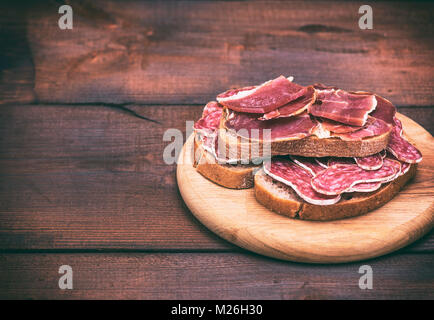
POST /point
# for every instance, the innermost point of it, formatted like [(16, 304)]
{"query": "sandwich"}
[(310, 152)]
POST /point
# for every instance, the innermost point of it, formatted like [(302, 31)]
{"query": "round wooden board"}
[(236, 216)]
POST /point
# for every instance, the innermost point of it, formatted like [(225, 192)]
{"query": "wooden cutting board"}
[(236, 216)]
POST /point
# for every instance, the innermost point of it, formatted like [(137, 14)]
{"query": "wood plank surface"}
[(82, 178), (210, 276), (93, 177), (187, 52), (16, 64)]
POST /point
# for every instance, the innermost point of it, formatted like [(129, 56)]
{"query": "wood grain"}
[(90, 178), (93, 177), (236, 216), (210, 276), (16, 65), (187, 52)]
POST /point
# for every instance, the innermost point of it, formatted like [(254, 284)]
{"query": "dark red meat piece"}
[(341, 178), (263, 98), (294, 107), (342, 106), (299, 179)]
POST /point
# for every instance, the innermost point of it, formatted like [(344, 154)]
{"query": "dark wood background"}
[(82, 178)]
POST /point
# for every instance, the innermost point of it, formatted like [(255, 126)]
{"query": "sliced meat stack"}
[(292, 116), (333, 112)]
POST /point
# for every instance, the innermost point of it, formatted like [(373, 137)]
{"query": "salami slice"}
[(373, 162), (397, 165), (210, 119), (294, 107), (404, 165), (308, 163), (359, 187), (210, 107), (207, 129), (404, 168), (365, 187), (337, 127), (366, 164), (299, 179), (341, 178), (263, 98), (397, 122), (401, 148)]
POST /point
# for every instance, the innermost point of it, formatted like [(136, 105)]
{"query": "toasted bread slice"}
[(312, 146), (281, 199), (234, 176)]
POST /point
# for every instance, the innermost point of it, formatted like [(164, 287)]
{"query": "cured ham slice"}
[(373, 162), (337, 127), (296, 127), (384, 110), (294, 107), (341, 178), (308, 163), (299, 179), (400, 147), (263, 98), (342, 106), (373, 127)]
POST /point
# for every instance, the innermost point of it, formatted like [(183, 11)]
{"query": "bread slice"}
[(312, 146), (308, 147), (281, 199), (234, 176)]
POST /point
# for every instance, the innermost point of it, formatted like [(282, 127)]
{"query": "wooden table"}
[(82, 117)]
